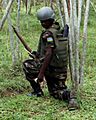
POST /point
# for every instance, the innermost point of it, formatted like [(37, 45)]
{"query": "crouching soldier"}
[(53, 47)]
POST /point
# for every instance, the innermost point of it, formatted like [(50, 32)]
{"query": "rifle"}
[(22, 40), (25, 45)]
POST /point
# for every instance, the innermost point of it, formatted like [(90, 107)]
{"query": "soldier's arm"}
[(46, 62), (48, 54)]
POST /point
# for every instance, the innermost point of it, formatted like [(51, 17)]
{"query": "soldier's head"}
[(46, 16)]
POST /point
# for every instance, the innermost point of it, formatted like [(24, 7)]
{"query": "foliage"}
[(16, 105)]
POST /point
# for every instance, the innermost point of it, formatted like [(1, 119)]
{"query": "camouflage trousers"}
[(57, 88), (55, 82), (31, 70)]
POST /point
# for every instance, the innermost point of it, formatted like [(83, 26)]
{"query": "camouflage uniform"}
[(31, 69), (56, 72), (53, 47)]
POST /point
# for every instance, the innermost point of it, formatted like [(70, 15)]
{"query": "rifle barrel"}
[(22, 40)]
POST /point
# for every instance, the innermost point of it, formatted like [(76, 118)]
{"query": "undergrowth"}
[(14, 102)]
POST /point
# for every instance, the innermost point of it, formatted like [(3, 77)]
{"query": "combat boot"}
[(73, 103), (37, 89), (66, 94), (62, 94), (38, 94)]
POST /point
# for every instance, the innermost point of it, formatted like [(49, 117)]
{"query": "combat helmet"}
[(45, 13)]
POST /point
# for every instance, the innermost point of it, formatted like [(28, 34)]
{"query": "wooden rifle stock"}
[(22, 40)]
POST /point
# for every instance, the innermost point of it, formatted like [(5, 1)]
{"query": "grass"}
[(22, 107), (14, 102)]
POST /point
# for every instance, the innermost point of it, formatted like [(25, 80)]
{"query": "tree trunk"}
[(60, 13), (76, 52), (66, 12), (30, 6), (84, 41), (71, 44), (11, 35), (11, 40), (18, 57), (6, 13)]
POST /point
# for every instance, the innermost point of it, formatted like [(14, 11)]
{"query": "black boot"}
[(37, 89), (66, 94)]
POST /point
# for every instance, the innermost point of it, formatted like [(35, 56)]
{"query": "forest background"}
[(14, 103)]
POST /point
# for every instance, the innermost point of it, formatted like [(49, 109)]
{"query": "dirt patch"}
[(8, 93), (12, 92)]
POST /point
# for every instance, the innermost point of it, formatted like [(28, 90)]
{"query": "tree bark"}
[(60, 13), (94, 6), (66, 12), (71, 39), (11, 40), (11, 35), (6, 13), (18, 57), (76, 51), (79, 17), (84, 41)]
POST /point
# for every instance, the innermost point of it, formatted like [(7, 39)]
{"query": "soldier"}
[(53, 47)]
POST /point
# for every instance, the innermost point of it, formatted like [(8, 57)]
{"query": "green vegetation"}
[(16, 105)]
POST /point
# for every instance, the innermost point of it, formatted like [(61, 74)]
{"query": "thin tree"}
[(74, 21), (94, 6), (69, 21), (51, 4), (84, 40), (6, 13), (11, 40), (11, 34), (60, 13), (30, 6), (18, 57), (76, 51)]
